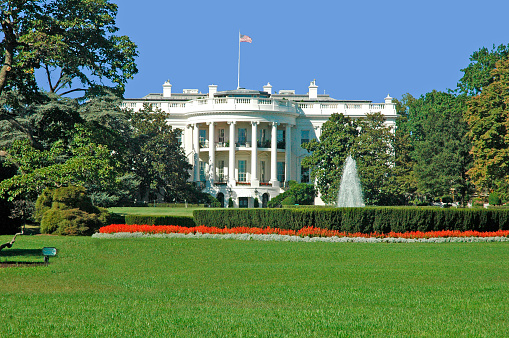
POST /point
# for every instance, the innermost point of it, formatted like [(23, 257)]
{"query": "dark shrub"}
[(494, 199), (71, 212)]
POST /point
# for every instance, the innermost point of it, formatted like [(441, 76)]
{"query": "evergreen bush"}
[(71, 212), (494, 199)]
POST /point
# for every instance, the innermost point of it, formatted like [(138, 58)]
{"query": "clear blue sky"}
[(358, 50)]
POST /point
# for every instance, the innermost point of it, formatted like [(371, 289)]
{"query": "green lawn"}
[(203, 288), (154, 211)]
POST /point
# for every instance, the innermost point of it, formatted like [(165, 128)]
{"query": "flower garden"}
[(306, 232)]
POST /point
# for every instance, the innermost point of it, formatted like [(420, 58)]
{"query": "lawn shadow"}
[(20, 252), (20, 257)]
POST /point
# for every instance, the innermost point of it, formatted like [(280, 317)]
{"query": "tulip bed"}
[(307, 231)]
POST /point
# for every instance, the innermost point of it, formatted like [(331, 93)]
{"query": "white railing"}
[(269, 104)]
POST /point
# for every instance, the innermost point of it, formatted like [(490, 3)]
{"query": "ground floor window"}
[(243, 202), (265, 200)]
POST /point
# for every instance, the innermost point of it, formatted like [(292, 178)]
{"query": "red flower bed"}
[(308, 231)]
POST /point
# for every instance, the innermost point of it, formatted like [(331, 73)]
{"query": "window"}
[(280, 139), (220, 170), (242, 136), (203, 137), (178, 132), (304, 136), (304, 175), (281, 171), (202, 171), (243, 202), (263, 142), (242, 170), (221, 136)]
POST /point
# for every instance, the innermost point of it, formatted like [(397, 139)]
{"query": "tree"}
[(328, 155), (478, 74), (403, 148), (73, 44), (83, 162), (157, 158), (488, 118), (374, 153), (441, 146)]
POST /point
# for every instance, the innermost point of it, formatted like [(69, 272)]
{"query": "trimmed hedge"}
[(183, 221), (364, 220)]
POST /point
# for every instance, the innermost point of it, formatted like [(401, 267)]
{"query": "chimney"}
[(313, 90), (267, 88), (212, 90), (167, 89)]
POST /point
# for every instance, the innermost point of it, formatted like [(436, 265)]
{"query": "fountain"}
[(350, 192)]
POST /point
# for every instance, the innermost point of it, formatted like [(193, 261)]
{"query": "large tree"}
[(477, 75), (71, 44), (441, 147), (329, 153), (488, 119), (157, 158), (403, 148), (373, 151)]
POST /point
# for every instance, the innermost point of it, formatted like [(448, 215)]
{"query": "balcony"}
[(263, 144)]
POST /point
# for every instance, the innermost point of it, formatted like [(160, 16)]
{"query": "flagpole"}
[(238, 70)]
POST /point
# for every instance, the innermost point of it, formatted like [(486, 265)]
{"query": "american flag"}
[(245, 38)]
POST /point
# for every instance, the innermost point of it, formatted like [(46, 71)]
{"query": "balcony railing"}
[(263, 144)]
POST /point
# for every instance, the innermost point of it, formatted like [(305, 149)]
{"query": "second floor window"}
[(304, 136), (242, 136)]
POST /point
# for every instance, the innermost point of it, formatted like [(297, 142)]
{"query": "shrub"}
[(73, 197), (494, 199), (71, 212), (290, 200), (71, 222), (364, 220), (304, 194), (43, 203), (230, 203), (256, 203), (183, 221)]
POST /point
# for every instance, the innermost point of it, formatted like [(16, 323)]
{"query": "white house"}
[(246, 144)]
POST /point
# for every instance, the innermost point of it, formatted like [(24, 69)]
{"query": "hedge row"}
[(184, 221), (364, 220)]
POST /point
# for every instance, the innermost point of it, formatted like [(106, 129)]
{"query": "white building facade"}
[(246, 144)]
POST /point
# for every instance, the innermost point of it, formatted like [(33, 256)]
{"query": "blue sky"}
[(356, 50)]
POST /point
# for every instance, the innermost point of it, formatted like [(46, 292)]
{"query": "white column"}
[(255, 182), (273, 156), (288, 150), (212, 153), (196, 146), (231, 164)]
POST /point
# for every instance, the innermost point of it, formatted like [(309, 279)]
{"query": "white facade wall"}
[(244, 112)]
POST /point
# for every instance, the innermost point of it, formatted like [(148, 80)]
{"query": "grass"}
[(196, 288), (154, 211)]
